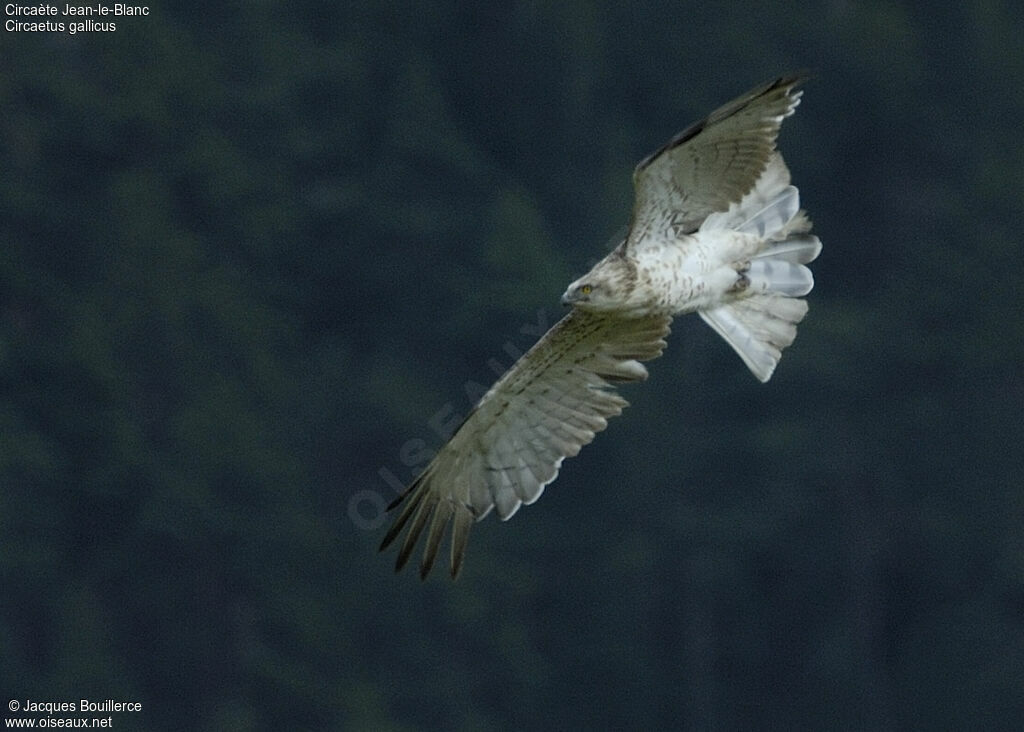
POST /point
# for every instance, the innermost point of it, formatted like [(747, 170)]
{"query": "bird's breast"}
[(687, 273)]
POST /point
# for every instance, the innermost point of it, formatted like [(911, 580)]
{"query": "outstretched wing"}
[(711, 164), (543, 410)]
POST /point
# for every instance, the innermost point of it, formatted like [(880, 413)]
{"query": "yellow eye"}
[(585, 289)]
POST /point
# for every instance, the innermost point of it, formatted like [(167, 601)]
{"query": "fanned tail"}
[(758, 327), (762, 321)]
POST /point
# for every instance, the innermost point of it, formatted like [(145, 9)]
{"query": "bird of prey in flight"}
[(717, 229)]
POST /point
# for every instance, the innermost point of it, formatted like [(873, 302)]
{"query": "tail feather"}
[(773, 216), (779, 276), (798, 249), (758, 327)]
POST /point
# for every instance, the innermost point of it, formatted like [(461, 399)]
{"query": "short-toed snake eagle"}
[(717, 229)]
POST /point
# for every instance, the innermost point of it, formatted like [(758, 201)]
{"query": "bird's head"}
[(582, 292), (597, 291)]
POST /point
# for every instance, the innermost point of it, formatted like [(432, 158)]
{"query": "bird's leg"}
[(742, 281)]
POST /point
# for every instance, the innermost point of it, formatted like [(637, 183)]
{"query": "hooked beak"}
[(567, 299)]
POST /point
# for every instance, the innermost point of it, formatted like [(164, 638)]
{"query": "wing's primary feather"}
[(543, 410), (711, 164)]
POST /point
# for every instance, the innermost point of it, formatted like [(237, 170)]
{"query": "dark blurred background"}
[(250, 252)]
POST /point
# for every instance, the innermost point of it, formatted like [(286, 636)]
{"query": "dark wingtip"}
[(396, 528), (401, 561), (403, 518), (398, 500), (388, 538), (403, 555)]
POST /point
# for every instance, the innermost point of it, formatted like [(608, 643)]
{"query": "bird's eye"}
[(585, 289)]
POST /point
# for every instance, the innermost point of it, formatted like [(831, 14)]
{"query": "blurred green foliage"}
[(248, 252)]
